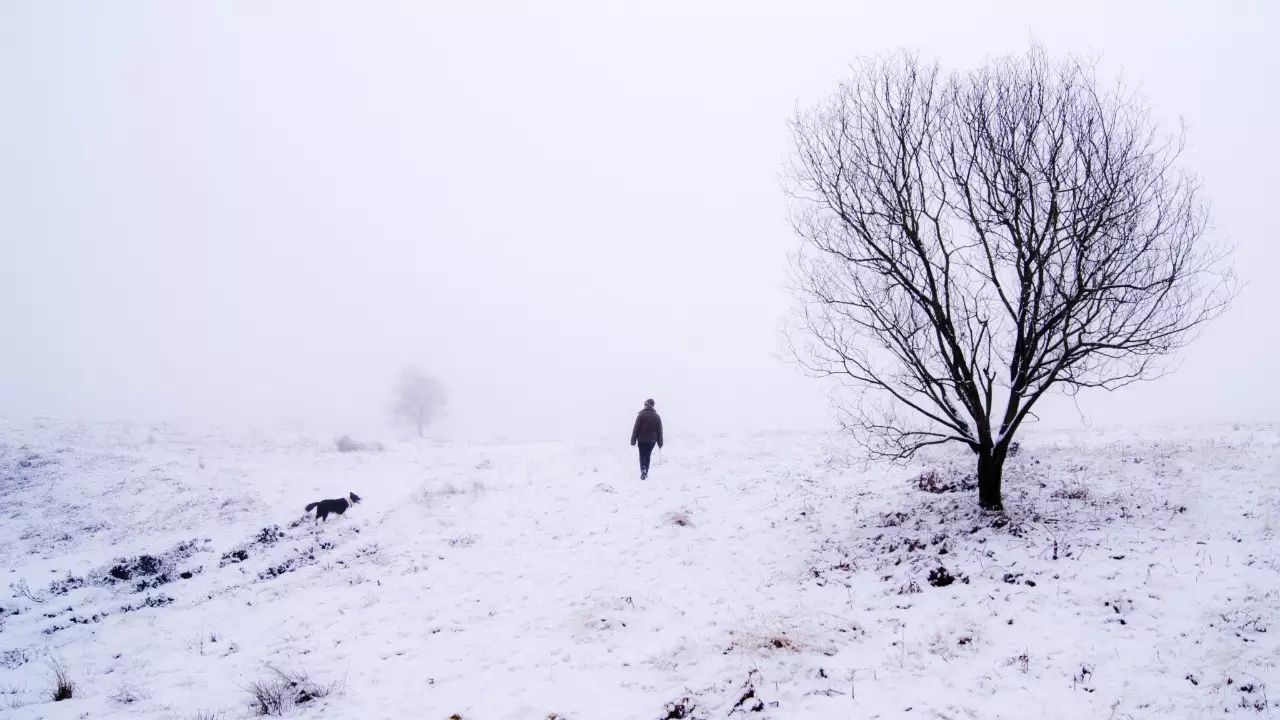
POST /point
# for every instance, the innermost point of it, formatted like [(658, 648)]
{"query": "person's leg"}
[(646, 450)]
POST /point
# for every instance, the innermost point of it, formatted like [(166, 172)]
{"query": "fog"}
[(257, 214)]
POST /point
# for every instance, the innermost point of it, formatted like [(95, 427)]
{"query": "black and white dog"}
[(336, 506)]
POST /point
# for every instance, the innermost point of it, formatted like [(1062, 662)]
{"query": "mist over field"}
[(233, 215)]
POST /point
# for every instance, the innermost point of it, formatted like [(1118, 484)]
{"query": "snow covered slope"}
[(1135, 576)]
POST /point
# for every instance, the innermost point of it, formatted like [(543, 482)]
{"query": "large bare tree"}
[(973, 240), (419, 398)]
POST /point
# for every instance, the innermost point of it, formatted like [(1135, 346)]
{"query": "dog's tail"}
[(311, 507)]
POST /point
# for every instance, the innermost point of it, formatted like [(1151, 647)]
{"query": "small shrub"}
[(749, 701), (680, 518), (127, 694), (1071, 492), (34, 461), (201, 641), (941, 577), (304, 558), (12, 696), (267, 697), (68, 584), (937, 482), (682, 709), (346, 444), (761, 640), (152, 601), (1023, 662), (269, 535), (22, 590), (283, 690), (893, 519), (233, 556), (63, 686), (910, 588), (144, 571), (13, 659)]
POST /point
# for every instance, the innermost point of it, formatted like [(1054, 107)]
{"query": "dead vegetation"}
[(128, 694), (346, 444), (282, 690), (64, 688), (938, 481), (1071, 491), (679, 518)]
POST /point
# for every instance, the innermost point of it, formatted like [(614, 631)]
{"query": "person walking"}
[(646, 433)]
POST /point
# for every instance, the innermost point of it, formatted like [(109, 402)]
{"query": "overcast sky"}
[(257, 213)]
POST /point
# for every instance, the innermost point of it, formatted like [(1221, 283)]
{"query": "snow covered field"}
[(1135, 576)]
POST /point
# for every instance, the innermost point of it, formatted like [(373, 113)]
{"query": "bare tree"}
[(418, 398), (971, 241)]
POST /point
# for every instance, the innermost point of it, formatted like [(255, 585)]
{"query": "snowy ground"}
[(1135, 576)]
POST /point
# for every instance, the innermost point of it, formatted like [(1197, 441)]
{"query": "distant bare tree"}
[(974, 240), (418, 398)]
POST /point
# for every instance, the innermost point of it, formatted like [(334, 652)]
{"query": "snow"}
[(1135, 576)]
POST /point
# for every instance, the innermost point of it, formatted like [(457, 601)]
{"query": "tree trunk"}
[(419, 426), (990, 471)]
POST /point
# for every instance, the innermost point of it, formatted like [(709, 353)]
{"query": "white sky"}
[(257, 213)]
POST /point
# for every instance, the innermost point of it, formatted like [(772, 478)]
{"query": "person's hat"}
[(648, 403)]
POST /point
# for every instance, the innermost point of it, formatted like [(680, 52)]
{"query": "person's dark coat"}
[(648, 428)]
